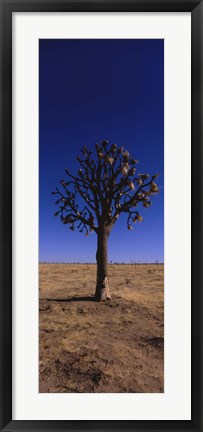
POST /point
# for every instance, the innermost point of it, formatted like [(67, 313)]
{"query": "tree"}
[(105, 186)]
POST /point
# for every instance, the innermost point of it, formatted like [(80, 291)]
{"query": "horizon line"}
[(110, 263)]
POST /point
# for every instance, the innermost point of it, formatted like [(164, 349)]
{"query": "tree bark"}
[(102, 287)]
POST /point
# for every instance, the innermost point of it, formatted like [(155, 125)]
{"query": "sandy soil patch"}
[(115, 346)]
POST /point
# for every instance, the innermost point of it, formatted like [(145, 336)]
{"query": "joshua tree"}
[(105, 186)]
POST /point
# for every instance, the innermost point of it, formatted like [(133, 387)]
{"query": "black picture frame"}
[(6, 9)]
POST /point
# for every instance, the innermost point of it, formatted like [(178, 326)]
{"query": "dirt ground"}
[(114, 346)]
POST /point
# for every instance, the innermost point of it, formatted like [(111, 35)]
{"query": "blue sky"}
[(90, 90)]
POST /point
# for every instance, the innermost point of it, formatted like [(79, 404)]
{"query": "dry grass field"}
[(114, 346)]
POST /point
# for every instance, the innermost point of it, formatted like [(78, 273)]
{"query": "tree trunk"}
[(102, 288)]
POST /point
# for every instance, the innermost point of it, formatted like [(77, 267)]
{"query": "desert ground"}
[(113, 346)]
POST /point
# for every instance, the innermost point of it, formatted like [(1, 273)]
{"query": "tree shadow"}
[(72, 299)]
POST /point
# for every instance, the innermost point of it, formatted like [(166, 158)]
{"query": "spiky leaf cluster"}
[(108, 184)]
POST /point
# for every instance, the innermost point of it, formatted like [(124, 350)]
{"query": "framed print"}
[(101, 215)]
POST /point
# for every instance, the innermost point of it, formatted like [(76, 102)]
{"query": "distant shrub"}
[(127, 281)]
